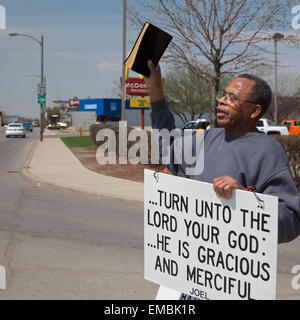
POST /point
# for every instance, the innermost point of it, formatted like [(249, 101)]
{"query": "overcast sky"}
[(83, 50)]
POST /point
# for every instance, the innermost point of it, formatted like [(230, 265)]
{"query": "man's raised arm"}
[(161, 116)]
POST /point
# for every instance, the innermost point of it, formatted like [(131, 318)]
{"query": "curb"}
[(31, 154), (105, 197)]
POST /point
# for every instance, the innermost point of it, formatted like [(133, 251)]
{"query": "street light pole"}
[(124, 57), (276, 37), (42, 105), (42, 117)]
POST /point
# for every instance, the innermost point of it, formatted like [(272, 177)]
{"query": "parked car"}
[(62, 125), (195, 126), (15, 129), (58, 125), (293, 126), (27, 126), (266, 126)]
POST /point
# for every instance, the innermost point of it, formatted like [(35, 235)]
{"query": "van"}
[(293, 126)]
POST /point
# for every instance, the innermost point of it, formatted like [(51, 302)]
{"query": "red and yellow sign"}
[(139, 103), (136, 87)]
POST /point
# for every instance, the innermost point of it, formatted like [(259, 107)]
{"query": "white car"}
[(15, 129), (62, 125), (58, 125), (266, 126)]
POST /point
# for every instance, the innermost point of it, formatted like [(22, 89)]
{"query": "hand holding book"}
[(154, 82), (150, 45)]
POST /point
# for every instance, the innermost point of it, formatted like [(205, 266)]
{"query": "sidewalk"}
[(52, 163)]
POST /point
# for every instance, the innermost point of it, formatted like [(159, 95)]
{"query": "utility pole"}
[(42, 83), (276, 37), (42, 118), (124, 57)]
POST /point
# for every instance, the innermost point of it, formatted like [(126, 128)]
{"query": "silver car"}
[(195, 126), (15, 129)]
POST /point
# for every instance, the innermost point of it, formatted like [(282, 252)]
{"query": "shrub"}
[(291, 146)]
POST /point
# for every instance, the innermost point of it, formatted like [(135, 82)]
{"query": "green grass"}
[(75, 142)]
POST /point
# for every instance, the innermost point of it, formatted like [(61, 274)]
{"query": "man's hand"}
[(224, 185), (154, 82)]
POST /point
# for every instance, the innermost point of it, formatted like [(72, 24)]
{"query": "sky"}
[(82, 51)]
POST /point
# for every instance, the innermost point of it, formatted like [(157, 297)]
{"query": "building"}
[(92, 110), (8, 119), (64, 108)]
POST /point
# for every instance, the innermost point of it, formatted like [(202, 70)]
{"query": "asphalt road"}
[(62, 245)]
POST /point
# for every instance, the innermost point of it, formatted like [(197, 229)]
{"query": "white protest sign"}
[(200, 244), (165, 293)]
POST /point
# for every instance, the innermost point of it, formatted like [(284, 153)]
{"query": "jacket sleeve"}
[(182, 155), (161, 116), (282, 186)]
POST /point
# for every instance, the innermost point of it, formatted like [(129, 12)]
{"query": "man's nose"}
[(222, 101)]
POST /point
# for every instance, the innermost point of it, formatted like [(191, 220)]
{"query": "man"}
[(238, 156)]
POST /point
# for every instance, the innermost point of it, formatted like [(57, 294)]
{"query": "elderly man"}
[(238, 156)]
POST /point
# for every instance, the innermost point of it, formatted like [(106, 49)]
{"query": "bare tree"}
[(288, 83), (116, 90), (214, 37), (288, 87), (288, 108)]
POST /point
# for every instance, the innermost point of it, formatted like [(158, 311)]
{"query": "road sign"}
[(41, 89), (41, 99)]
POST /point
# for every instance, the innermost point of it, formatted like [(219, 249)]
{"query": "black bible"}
[(151, 44)]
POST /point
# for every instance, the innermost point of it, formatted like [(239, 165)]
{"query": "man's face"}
[(236, 114)]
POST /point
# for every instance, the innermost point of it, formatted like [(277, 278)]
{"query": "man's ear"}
[(256, 111)]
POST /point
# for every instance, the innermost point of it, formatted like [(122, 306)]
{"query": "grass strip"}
[(75, 142)]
